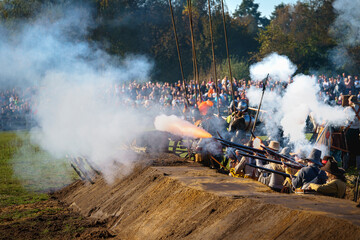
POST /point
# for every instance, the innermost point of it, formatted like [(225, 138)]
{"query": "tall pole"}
[(213, 56), (227, 51), (179, 54), (196, 73), (258, 111)]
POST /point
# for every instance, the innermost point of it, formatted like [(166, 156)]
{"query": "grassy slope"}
[(11, 190), (17, 154)]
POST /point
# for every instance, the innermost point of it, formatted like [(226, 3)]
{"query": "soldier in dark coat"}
[(311, 173)]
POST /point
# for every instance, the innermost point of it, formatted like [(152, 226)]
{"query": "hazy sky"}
[(266, 7)]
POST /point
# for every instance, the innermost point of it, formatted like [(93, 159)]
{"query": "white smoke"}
[(271, 102), (290, 108), (75, 113), (279, 68), (345, 30), (347, 22)]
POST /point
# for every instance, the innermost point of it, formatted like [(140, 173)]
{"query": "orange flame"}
[(177, 126)]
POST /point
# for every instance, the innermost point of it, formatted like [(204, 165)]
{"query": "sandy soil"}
[(170, 200)]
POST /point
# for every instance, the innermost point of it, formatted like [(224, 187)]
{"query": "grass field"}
[(26, 172)]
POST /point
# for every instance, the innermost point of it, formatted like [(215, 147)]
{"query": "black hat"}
[(315, 157), (332, 167)]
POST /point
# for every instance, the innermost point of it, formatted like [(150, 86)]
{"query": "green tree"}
[(301, 33), (250, 10)]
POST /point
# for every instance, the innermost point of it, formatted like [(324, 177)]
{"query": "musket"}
[(240, 146), (271, 160), (268, 150), (272, 152), (269, 170)]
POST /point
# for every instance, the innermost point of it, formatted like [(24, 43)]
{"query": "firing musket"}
[(240, 146), (271, 160), (272, 152), (269, 170)]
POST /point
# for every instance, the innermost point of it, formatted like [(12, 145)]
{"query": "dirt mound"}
[(194, 202)]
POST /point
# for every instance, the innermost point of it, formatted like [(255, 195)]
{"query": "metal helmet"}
[(242, 106)]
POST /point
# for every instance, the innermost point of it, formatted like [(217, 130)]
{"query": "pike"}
[(271, 160), (270, 170), (262, 95), (179, 55)]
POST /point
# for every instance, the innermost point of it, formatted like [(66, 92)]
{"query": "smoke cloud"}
[(347, 22), (345, 30), (271, 102), (279, 68), (75, 110), (289, 109)]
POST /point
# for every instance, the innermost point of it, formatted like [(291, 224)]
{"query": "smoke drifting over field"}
[(345, 30), (76, 109), (288, 109)]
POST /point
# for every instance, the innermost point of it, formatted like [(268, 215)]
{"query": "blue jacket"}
[(308, 174)]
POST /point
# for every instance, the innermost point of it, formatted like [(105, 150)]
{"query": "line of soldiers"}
[(320, 175), (308, 174), (302, 174)]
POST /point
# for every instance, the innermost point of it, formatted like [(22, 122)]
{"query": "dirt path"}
[(193, 202)]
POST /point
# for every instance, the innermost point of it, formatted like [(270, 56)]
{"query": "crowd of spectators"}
[(15, 108), (170, 97)]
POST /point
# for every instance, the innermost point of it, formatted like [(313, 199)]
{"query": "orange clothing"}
[(211, 92), (204, 107)]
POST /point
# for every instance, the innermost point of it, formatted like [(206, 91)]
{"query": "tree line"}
[(303, 32)]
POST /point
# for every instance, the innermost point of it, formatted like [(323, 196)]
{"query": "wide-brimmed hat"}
[(315, 157), (332, 167), (274, 145), (285, 151)]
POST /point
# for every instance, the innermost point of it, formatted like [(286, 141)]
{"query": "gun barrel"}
[(281, 156), (270, 160), (269, 170), (240, 146)]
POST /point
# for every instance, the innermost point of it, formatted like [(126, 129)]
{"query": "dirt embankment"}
[(194, 202)]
